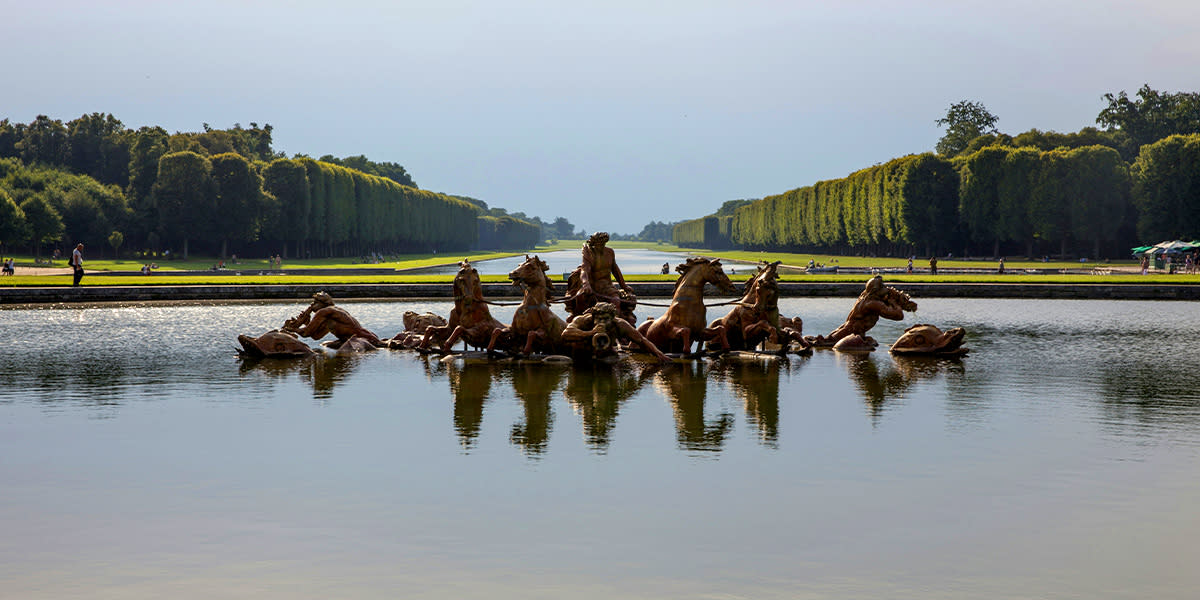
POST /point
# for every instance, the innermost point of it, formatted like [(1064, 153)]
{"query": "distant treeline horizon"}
[(1094, 192)]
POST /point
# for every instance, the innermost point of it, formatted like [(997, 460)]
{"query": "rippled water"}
[(141, 459)]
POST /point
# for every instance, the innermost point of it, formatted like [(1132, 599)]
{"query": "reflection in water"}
[(470, 384), (597, 392), (534, 385), (323, 372), (879, 386), (1120, 371), (1143, 390), (756, 383), (1068, 441), (687, 385)]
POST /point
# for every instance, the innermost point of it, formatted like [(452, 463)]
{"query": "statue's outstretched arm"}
[(633, 334), (575, 333)]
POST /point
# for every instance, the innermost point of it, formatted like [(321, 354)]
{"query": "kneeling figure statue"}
[(875, 301), (322, 318)]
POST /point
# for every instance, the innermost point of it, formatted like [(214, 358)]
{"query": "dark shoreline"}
[(43, 296)]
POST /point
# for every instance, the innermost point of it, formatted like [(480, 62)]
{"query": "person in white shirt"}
[(77, 263)]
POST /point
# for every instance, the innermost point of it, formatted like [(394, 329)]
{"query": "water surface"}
[(142, 459), (562, 262)]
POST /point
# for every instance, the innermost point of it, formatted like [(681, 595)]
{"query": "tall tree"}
[(979, 198), (239, 199), (1098, 189), (287, 181), (1166, 187), (44, 142), (1047, 209), (12, 221), (10, 134), (99, 146), (964, 121), (1151, 117), (115, 239), (562, 228), (148, 146), (83, 218), (185, 197), (44, 223), (1019, 173)]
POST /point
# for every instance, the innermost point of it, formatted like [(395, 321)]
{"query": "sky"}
[(612, 113)]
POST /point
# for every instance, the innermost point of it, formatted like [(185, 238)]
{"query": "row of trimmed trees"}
[(313, 207), (1083, 199), (706, 232), (507, 232), (223, 190), (302, 205)]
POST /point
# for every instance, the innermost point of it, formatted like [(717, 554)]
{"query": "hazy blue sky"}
[(610, 113)]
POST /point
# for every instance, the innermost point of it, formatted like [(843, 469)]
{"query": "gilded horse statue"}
[(534, 324), (684, 321), (470, 318)]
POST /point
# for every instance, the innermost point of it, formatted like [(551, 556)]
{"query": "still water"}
[(631, 261), (139, 458)]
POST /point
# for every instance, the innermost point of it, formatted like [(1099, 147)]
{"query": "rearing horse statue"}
[(470, 318), (533, 323), (684, 321)]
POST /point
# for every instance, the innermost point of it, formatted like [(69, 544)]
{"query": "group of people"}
[(76, 264), (1190, 263)]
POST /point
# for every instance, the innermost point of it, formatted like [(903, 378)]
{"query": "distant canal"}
[(141, 459), (564, 261)]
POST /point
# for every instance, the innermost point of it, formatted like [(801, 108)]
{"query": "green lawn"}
[(405, 261), (162, 275), (231, 279), (801, 260)]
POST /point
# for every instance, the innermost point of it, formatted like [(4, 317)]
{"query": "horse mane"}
[(686, 266), (460, 282), (545, 276)]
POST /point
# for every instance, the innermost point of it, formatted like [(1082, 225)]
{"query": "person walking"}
[(77, 263), (910, 265)]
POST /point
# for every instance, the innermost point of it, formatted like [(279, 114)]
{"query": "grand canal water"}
[(632, 261), (139, 458)]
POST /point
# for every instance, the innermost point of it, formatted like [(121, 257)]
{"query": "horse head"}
[(766, 278), (466, 282), (532, 273), (707, 271)]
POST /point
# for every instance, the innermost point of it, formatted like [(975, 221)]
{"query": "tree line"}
[(224, 190), (1094, 191)]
